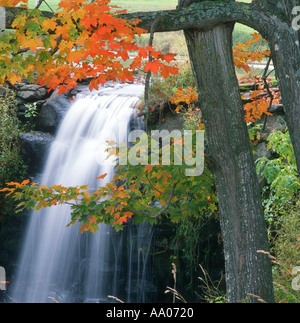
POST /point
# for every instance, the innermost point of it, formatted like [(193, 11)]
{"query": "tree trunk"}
[(241, 214), (285, 47), (286, 58)]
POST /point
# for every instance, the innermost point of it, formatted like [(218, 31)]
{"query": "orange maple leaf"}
[(153, 66), (149, 168), (53, 202), (101, 176), (93, 219)]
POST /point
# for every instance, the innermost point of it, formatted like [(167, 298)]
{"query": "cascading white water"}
[(58, 262)]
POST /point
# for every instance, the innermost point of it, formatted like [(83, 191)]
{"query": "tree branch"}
[(264, 77), (206, 15), (8, 15), (148, 75), (164, 209), (202, 15)]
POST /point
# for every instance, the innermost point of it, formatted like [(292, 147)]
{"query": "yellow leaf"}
[(49, 24), (14, 78)]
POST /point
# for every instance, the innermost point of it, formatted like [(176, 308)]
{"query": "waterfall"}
[(59, 263)]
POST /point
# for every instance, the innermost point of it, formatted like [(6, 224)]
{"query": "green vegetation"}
[(280, 199), (11, 164), (130, 5), (287, 254), (281, 174), (11, 168), (282, 211)]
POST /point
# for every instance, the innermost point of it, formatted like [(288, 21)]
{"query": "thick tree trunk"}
[(285, 47), (241, 215), (286, 58)]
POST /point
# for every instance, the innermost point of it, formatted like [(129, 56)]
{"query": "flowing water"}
[(58, 263)]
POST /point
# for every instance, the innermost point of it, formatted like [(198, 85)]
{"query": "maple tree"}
[(242, 57), (83, 40), (147, 193)]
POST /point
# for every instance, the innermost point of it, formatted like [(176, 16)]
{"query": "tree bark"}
[(286, 58), (284, 42), (241, 213)]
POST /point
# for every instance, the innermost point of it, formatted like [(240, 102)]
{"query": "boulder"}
[(34, 150), (173, 121), (52, 112), (55, 108), (262, 151), (276, 109), (273, 123)]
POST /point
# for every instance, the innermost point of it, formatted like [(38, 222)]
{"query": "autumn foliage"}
[(242, 56), (83, 40), (145, 191)]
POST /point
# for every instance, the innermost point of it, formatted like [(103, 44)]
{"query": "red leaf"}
[(169, 57), (167, 70), (153, 66)]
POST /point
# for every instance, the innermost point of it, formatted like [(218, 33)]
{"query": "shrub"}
[(11, 163), (281, 175), (12, 168)]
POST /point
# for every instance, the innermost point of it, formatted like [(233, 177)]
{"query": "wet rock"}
[(52, 112), (35, 147), (55, 108)]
